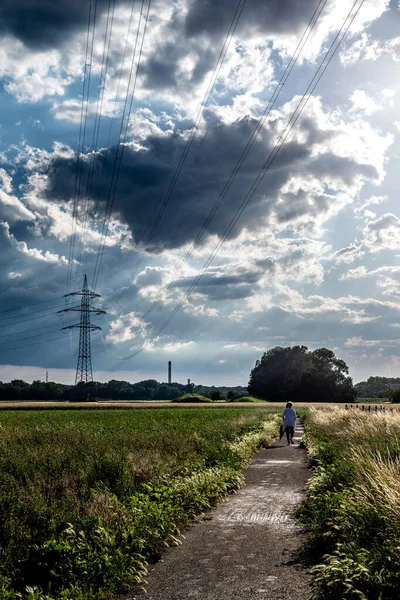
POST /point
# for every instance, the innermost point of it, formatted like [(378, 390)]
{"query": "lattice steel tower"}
[(84, 373)]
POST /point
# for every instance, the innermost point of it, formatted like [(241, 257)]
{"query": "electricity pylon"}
[(84, 373)]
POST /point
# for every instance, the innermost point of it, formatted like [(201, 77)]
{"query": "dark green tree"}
[(296, 374), (279, 372), (376, 387), (395, 395)]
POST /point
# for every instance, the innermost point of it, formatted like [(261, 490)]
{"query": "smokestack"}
[(169, 371), (188, 381)]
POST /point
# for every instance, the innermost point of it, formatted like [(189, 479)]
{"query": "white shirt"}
[(289, 417)]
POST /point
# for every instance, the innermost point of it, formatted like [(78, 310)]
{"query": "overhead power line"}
[(100, 185), (81, 136), (266, 166), (14, 333), (119, 151), (193, 132), (34, 312), (29, 305), (96, 129), (27, 337), (271, 103), (32, 344)]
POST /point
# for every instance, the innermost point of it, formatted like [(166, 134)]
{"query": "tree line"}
[(293, 373), (377, 387), (149, 389)]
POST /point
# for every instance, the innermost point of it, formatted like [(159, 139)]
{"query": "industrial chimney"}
[(169, 371)]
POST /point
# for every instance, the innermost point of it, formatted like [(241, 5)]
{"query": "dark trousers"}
[(289, 432)]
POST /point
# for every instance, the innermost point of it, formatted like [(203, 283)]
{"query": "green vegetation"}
[(112, 390), (88, 498), (396, 396), (371, 400), (296, 374), (192, 398), (377, 387), (247, 399), (353, 504)]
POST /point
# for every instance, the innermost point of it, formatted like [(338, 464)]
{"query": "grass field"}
[(353, 505), (89, 497)]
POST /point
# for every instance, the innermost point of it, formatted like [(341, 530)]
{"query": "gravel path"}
[(247, 549)]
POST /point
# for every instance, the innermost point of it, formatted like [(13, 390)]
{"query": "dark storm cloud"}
[(275, 16), (202, 30), (22, 277), (224, 283), (219, 278), (45, 23), (145, 176), (330, 165), (161, 70)]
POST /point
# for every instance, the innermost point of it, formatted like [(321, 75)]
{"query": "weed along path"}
[(247, 548)]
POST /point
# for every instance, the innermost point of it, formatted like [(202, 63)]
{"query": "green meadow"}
[(89, 498)]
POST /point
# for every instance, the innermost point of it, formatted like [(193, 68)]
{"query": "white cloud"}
[(31, 75), (174, 346), (11, 207), (34, 87), (389, 286), (357, 273), (348, 254), (362, 271), (364, 103), (372, 201), (247, 346), (127, 327), (366, 48), (34, 253), (71, 109), (382, 234), (359, 341)]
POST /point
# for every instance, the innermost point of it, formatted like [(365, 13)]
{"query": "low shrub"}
[(247, 399), (192, 398)]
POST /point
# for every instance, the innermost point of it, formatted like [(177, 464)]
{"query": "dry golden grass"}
[(372, 442), (353, 503)]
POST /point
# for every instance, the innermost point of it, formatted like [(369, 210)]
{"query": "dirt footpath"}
[(248, 548)]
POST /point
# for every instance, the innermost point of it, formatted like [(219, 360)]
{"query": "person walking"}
[(289, 422)]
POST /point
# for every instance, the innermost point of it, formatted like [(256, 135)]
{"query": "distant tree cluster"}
[(221, 392), (377, 387), (297, 374), (149, 389)]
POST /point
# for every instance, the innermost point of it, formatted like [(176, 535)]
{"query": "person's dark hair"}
[(289, 405)]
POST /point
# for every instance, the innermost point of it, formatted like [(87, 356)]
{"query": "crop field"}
[(353, 505), (139, 404), (88, 498)]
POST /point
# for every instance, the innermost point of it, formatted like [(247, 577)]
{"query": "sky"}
[(225, 172)]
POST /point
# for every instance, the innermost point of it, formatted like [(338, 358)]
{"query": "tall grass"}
[(89, 498), (353, 504)]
